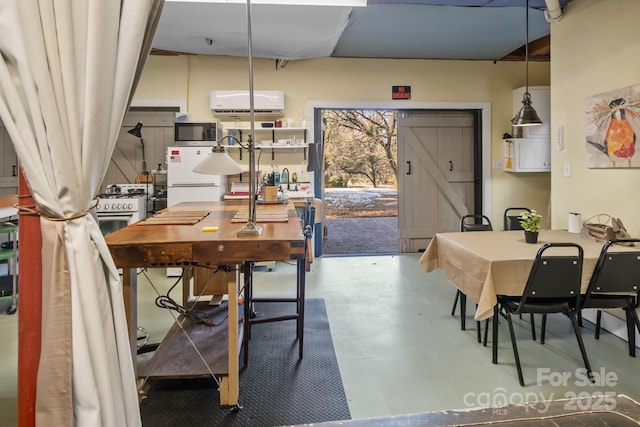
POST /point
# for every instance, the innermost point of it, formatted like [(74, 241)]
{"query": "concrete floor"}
[(399, 349)]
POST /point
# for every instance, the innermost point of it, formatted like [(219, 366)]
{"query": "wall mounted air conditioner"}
[(236, 102)]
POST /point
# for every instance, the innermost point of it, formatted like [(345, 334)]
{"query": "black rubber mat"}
[(276, 388)]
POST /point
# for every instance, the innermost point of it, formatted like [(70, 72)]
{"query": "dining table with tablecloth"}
[(485, 264)]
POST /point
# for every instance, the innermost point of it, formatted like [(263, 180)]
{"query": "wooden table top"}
[(162, 245)]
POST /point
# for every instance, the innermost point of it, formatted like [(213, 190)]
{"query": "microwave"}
[(197, 133)]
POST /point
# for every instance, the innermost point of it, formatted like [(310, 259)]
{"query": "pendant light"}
[(218, 162), (527, 115)]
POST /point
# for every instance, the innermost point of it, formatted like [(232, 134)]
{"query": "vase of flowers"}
[(530, 222)]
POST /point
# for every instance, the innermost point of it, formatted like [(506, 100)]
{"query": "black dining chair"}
[(511, 218), (615, 284), (470, 222), (553, 286)]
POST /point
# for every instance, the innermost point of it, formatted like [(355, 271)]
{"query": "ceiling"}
[(425, 29)]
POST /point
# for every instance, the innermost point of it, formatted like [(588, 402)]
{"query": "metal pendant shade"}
[(218, 162), (527, 116)]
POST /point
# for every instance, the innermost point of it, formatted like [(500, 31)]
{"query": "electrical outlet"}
[(497, 164), (566, 170)]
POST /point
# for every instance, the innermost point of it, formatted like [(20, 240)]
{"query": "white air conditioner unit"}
[(236, 102)]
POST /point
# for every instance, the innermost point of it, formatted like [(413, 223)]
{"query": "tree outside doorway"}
[(360, 181)]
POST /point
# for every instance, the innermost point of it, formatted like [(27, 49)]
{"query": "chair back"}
[(555, 276), (616, 272), (475, 222), (511, 218)]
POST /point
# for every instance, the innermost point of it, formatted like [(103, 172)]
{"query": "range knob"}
[(119, 206), (129, 206), (105, 206)]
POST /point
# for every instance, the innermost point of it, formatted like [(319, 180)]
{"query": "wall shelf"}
[(275, 133)]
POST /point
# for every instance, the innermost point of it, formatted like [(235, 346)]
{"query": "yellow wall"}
[(595, 49), (337, 79)]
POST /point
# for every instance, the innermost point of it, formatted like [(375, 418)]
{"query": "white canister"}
[(575, 222)]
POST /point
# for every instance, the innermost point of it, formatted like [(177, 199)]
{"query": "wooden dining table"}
[(204, 234)]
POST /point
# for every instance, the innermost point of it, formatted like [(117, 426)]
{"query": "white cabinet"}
[(526, 155), (531, 152)]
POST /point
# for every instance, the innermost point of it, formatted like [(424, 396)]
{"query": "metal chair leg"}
[(463, 311), (455, 303), (533, 326), (494, 342), (583, 352), (631, 332), (515, 348), (486, 332), (598, 321), (543, 328), (634, 315)]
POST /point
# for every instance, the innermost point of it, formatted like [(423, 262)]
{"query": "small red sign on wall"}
[(401, 92)]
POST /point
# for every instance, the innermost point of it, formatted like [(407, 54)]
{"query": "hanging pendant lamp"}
[(527, 115)]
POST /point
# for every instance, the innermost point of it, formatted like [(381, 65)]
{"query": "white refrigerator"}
[(185, 185)]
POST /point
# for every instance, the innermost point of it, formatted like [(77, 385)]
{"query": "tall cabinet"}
[(531, 151)]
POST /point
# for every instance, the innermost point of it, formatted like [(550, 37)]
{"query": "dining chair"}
[(615, 285), (470, 222), (511, 220), (553, 286)]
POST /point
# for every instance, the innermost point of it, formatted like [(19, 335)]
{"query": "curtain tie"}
[(31, 210)]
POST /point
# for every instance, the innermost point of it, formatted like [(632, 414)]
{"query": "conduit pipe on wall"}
[(553, 12)]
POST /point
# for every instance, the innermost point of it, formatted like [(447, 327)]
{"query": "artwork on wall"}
[(612, 126)]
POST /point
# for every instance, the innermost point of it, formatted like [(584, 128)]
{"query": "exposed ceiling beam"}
[(539, 51)]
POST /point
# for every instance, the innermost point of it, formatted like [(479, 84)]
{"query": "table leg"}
[(230, 385), (130, 296)]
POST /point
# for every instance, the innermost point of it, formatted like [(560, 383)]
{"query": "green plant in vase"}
[(530, 222)]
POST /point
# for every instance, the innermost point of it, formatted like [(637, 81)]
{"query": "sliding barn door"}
[(436, 174)]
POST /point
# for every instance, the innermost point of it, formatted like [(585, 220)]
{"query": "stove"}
[(122, 205)]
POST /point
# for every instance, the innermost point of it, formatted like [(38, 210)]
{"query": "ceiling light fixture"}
[(527, 115)]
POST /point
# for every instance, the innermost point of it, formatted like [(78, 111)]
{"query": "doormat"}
[(276, 388)]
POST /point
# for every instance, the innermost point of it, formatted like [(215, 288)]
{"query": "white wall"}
[(595, 49)]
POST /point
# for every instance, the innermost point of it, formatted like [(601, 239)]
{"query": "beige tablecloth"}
[(489, 263)]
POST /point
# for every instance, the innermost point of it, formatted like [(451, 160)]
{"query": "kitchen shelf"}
[(238, 133)]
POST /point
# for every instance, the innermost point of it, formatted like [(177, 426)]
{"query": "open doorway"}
[(360, 182)]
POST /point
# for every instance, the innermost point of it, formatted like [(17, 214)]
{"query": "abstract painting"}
[(612, 126)]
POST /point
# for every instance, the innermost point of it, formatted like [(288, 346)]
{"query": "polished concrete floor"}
[(399, 349)]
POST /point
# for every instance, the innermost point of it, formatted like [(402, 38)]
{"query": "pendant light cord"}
[(526, 50)]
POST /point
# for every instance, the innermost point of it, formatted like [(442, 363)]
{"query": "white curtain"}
[(67, 72)]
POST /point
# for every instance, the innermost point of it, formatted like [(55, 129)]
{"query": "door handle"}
[(450, 166), (408, 167)]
